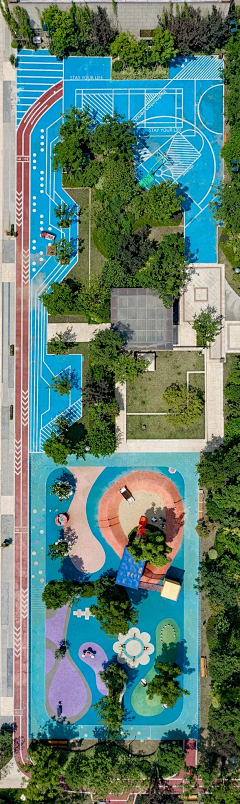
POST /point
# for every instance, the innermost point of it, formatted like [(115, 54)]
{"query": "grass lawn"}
[(144, 395), (87, 263)]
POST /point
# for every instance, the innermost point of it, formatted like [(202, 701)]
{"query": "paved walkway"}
[(78, 333), (7, 336)]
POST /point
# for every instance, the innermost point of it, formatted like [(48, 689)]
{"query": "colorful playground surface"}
[(179, 124), (165, 628)]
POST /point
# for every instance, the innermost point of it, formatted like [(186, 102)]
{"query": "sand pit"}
[(145, 504)]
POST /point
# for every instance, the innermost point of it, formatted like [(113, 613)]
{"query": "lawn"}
[(90, 261), (144, 395)]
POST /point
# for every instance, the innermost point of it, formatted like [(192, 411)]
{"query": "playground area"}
[(99, 518)]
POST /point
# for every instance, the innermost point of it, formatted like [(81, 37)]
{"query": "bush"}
[(14, 44), (117, 66)]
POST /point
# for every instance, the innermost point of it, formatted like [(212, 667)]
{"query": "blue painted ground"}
[(182, 116), (181, 721)]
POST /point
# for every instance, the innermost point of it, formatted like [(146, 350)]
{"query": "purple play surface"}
[(54, 625), (68, 687), (49, 660), (96, 664)]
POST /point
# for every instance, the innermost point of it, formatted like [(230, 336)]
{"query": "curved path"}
[(157, 484), (86, 553), (21, 419)]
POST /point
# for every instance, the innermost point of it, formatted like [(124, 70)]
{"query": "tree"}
[(219, 472), (231, 149), (162, 202), (64, 214), (225, 792), (58, 446), (207, 326), (101, 436), (57, 593), (114, 135), (133, 251), (58, 549), (114, 677), (57, 345), (232, 102), (60, 26), (166, 270), (128, 367), (131, 52), (61, 488), (109, 708), (163, 49), (194, 32), (61, 384), (119, 180), (225, 206), (151, 547), (114, 275), (113, 610), (94, 302), (59, 301), (185, 405), (46, 770), (106, 769), (170, 758), (19, 25), (96, 390), (165, 684), (6, 744), (72, 151), (107, 350), (62, 650), (64, 250), (102, 34)]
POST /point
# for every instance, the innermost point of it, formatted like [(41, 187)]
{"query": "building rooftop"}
[(142, 316)]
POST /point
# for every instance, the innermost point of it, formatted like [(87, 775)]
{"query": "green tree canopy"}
[(219, 472), (163, 49), (166, 270), (44, 783), (64, 214), (231, 149), (101, 435), (165, 684), (207, 325), (162, 201), (152, 547), (60, 300), (58, 593), (131, 52), (58, 549), (185, 405), (114, 135), (113, 610), (170, 758), (225, 206), (61, 384), (71, 152), (106, 770)]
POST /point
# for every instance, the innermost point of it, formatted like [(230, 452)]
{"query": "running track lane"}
[(21, 418)]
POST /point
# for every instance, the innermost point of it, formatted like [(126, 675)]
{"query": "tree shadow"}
[(187, 200), (191, 733), (52, 729), (71, 572), (70, 535), (124, 330), (189, 254), (75, 379), (166, 520), (69, 336)]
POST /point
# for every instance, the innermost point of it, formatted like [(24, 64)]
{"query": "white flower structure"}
[(133, 648)]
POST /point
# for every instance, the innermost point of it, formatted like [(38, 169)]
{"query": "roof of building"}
[(140, 314)]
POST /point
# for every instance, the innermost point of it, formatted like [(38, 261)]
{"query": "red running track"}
[(21, 418)]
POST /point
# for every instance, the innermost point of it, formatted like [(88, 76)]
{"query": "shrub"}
[(185, 405), (117, 66)]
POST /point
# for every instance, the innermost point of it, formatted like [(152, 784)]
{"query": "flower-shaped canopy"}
[(133, 648)]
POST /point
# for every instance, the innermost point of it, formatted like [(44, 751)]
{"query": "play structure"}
[(147, 180), (141, 527)]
